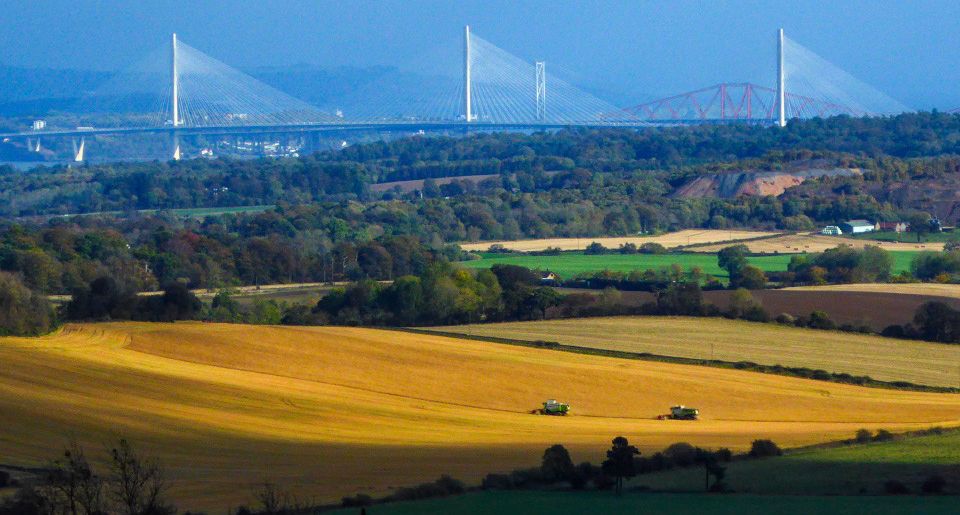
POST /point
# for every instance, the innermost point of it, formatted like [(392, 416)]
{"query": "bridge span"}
[(198, 95)]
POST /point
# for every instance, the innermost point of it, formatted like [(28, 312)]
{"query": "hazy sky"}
[(633, 49)]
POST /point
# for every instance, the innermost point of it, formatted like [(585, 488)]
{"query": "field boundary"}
[(687, 248), (798, 372)]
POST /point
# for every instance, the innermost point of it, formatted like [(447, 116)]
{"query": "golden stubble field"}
[(814, 242), (332, 411), (669, 240), (885, 359)]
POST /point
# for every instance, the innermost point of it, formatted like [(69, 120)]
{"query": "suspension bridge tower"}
[(781, 93), (541, 90), (468, 111), (175, 98)]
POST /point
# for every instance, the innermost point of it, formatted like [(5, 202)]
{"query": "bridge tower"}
[(541, 90), (781, 93), (78, 150), (175, 100), (466, 74)]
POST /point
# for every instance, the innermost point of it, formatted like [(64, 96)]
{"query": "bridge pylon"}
[(541, 90), (781, 83), (175, 145), (467, 84), (174, 82), (79, 150)]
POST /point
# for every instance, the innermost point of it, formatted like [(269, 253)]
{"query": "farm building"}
[(892, 226), (856, 226), (548, 277), (831, 230)]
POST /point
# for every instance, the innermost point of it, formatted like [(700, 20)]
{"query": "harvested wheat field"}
[(885, 359), (669, 240), (814, 242), (925, 289), (334, 411)]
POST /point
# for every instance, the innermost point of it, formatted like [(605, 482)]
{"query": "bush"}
[(595, 248), (933, 485), (442, 487), (723, 454), (786, 318), (652, 248), (526, 477), (176, 303), (894, 331), (756, 314), (863, 436), (894, 487), (23, 312), (936, 321), (883, 436), (556, 464), (820, 320), (4, 479), (681, 454), (750, 277), (764, 448)]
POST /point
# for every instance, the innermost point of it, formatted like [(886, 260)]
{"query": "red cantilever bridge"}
[(730, 102)]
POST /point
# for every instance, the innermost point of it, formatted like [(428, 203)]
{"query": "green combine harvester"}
[(684, 413), (553, 407)]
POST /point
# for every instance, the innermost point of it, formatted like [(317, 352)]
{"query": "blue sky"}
[(636, 50)]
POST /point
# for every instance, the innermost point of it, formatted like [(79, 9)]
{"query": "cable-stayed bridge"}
[(180, 91)]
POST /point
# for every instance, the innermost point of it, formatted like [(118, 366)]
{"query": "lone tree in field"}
[(620, 461), (733, 259)]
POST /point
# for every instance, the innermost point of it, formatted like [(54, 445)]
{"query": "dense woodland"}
[(328, 225), (599, 169)]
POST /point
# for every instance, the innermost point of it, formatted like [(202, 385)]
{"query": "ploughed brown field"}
[(874, 308), (331, 411)]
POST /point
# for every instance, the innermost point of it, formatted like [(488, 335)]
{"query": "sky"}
[(632, 50)]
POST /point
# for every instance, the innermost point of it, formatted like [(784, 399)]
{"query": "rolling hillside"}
[(330, 411)]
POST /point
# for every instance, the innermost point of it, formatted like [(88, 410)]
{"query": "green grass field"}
[(569, 264), (847, 480), (563, 503), (849, 470)]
